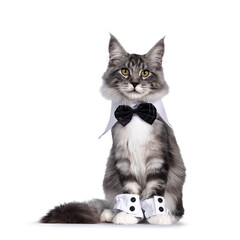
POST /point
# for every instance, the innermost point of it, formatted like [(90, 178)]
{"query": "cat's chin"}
[(135, 96), (147, 96), (122, 97)]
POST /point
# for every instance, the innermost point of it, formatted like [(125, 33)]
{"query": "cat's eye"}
[(145, 73), (125, 71)]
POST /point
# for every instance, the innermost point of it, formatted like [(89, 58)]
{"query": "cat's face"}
[(132, 77)]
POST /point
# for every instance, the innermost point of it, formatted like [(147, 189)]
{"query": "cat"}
[(145, 159)]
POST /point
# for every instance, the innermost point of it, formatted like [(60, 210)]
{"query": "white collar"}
[(158, 104)]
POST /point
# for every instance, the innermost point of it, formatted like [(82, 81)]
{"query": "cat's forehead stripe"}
[(135, 61)]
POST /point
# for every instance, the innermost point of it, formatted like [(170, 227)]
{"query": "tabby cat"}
[(145, 159)]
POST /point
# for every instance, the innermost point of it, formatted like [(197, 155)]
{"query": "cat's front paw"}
[(160, 219), (125, 218)]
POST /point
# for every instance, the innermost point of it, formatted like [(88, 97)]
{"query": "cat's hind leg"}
[(125, 218), (107, 216)]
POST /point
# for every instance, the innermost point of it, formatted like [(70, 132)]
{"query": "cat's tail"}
[(76, 212)]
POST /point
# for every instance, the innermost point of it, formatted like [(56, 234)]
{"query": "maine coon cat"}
[(145, 161)]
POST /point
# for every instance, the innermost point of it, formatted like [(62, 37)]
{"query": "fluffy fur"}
[(145, 159), (72, 213)]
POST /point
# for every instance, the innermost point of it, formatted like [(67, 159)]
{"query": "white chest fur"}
[(135, 139)]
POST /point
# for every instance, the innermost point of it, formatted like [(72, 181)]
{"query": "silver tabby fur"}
[(145, 159)]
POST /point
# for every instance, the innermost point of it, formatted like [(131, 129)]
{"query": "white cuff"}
[(129, 203), (155, 206)]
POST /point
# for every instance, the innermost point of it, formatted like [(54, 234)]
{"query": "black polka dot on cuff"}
[(133, 199), (132, 208), (161, 209)]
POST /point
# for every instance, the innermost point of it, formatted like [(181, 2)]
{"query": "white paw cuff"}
[(155, 206), (129, 203)]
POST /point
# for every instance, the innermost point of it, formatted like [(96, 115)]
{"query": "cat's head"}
[(132, 77)]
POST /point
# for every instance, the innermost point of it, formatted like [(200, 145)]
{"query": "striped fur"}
[(145, 159), (158, 169)]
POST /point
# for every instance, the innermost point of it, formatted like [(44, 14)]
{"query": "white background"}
[(52, 57)]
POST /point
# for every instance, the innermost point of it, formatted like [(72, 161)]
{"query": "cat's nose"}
[(134, 84)]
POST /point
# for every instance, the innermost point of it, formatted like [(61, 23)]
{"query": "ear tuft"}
[(155, 54), (116, 51)]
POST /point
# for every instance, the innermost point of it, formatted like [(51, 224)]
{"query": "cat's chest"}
[(135, 141), (136, 134)]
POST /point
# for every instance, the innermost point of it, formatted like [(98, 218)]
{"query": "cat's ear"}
[(116, 51), (155, 54)]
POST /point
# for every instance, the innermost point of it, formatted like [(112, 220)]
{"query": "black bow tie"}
[(146, 111)]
